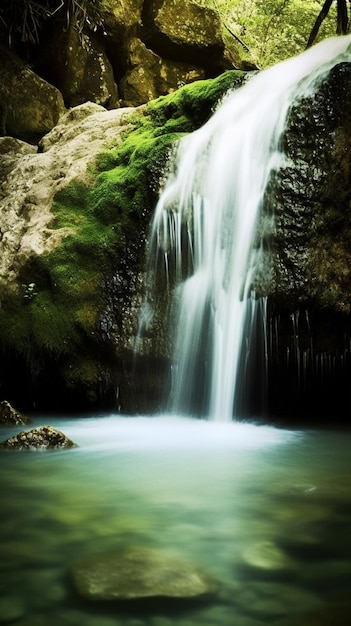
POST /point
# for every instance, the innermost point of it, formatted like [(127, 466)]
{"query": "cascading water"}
[(204, 230)]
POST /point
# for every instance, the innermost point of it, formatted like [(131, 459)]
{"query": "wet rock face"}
[(311, 199), (42, 438), (138, 573), (309, 298)]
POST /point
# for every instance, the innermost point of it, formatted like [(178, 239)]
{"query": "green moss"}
[(82, 372), (55, 315), (196, 102), (48, 329)]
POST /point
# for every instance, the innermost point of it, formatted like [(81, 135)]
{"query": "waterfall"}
[(204, 233)]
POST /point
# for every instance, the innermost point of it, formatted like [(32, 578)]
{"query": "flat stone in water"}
[(138, 573)]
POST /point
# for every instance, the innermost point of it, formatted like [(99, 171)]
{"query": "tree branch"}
[(342, 18), (322, 15), (243, 45)]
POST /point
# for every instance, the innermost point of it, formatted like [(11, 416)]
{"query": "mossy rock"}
[(55, 320)]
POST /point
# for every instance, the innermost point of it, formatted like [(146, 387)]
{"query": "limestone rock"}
[(9, 147), (29, 180), (42, 438), (138, 572), (185, 32), (150, 76), (29, 106), (9, 416)]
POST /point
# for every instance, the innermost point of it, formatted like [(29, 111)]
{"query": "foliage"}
[(271, 30), (22, 20)]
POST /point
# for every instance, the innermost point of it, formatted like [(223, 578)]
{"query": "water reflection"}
[(264, 511)]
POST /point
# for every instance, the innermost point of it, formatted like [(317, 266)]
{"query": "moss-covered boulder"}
[(75, 219), (138, 573)]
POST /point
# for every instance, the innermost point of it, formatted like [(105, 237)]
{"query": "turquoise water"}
[(264, 511)]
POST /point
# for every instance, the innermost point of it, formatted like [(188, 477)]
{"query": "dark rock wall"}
[(310, 296)]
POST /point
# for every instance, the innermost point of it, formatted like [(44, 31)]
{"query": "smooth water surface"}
[(265, 511)]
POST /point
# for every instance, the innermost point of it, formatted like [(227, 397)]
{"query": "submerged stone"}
[(42, 438), (265, 555), (138, 573)]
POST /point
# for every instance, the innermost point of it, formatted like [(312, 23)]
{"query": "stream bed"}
[(264, 511)]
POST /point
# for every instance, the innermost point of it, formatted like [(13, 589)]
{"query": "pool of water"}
[(264, 511)]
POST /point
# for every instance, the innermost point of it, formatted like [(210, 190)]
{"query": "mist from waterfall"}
[(205, 237)]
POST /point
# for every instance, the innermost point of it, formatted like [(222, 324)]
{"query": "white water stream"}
[(212, 199)]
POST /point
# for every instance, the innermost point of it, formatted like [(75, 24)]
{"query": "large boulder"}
[(185, 32), (41, 438), (149, 76), (121, 16), (29, 106), (76, 62), (139, 573)]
